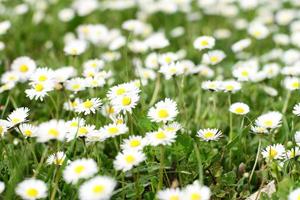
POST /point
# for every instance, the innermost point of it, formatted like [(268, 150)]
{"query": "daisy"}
[(127, 159), (170, 194), (196, 191), (134, 143), (31, 189), (167, 58), (56, 158), (108, 110), (274, 152), (269, 120), (172, 69), (10, 77), (209, 134), (239, 108), (292, 83), (151, 61), (75, 47), (241, 45), (4, 125), (79, 169), (259, 130), (28, 130), (72, 105), (2, 187), (18, 116), (172, 127), (258, 31), (163, 111), (64, 73), (294, 152), (161, 137), (296, 109), (39, 90), (122, 90), (97, 188), (213, 57), (204, 42), (295, 194), (94, 64), (75, 84), (42, 75), (113, 130), (53, 129), (126, 102), (230, 86), (89, 106), (24, 66), (204, 70), (297, 138), (211, 85)]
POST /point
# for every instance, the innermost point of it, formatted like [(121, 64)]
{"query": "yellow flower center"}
[(32, 192), (1, 130), (229, 87), (113, 130), (126, 101), (42, 78), (82, 130), (273, 153), (195, 196), (78, 169), (163, 113), (245, 73), (110, 110), (257, 33), (120, 91), (39, 87), (168, 59), (298, 197), (74, 51), (129, 159), (174, 197), (59, 161), (76, 87), (16, 120), (208, 135), (74, 124), (98, 188), (135, 143), (88, 104), (296, 84), (204, 43), (23, 68), (239, 110), (27, 133), (53, 132), (268, 123), (214, 59), (160, 135)]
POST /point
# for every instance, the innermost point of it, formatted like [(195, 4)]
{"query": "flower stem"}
[(161, 167), (200, 166), (256, 159), (286, 102)]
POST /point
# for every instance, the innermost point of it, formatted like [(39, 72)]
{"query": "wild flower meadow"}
[(150, 99)]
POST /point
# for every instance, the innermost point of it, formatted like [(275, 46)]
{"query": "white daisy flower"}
[(209, 134), (167, 58), (196, 191), (134, 142), (72, 105), (296, 109), (297, 138), (204, 42), (57, 158), (160, 137), (64, 73), (122, 90), (97, 188), (269, 120), (2, 186), (125, 102), (295, 194), (18, 116), (258, 31), (274, 152), (127, 159), (39, 90), (163, 111), (213, 57), (241, 45), (292, 153), (79, 169), (10, 77), (31, 189), (114, 129), (25, 66), (53, 129), (170, 194), (211, 85), (42, 75), (292, 83), (75, 84), (89, 106), (239, 108), (75, 47), (230, 86), (259, 130), (28, 130), (172, 69), (4, 126)]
